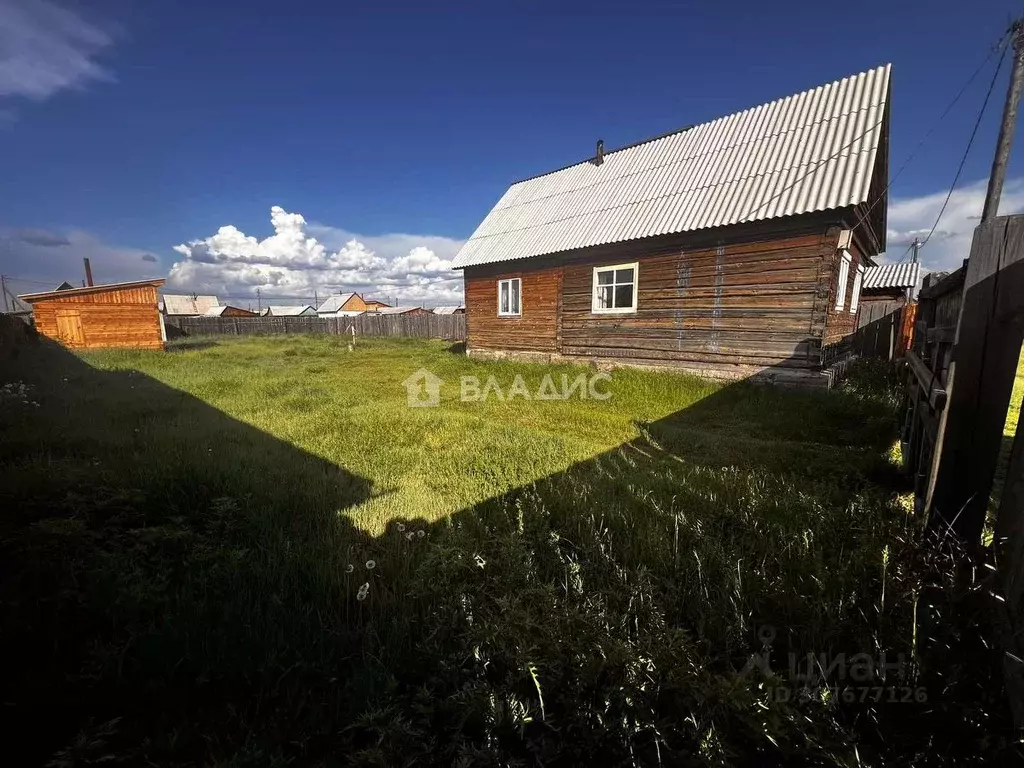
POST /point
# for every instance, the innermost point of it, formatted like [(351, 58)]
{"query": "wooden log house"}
[(115, 315), (731, 249)]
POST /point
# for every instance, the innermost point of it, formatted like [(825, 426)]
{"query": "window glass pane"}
[(515, 297), (624, 276), (604, 297), (605, 278), (503, 289), (624, 295)]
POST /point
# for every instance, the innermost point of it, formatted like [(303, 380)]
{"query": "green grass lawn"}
[(253, 552)]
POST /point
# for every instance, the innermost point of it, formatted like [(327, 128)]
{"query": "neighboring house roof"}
[(65, 286), (394, 310), (60, 292), (290, 311), (334, 303), (174, 304), (375, 303), (448, 310), (218, 311), (891, 276), (810, 152)]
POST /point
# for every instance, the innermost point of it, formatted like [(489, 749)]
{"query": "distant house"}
[(729, 249), (401, 311), (227, 310), (451, 310), (342, 305), (372, 305), (115, 315), (889, 282), (292, 311), (174, 305)]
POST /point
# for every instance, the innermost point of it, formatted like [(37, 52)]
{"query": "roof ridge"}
[(694, 126)]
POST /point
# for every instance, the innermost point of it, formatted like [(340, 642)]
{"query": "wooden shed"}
[(729, 249), (116, 315)]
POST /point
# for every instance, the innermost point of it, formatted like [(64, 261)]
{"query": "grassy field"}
[(252, 552)]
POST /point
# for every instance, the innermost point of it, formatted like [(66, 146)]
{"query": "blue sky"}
[(129, 128)]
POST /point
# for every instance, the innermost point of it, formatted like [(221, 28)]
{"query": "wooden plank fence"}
[(884, 329), (960, 373), (425, 326)]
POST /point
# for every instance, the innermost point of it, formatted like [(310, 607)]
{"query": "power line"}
[(963, 89), (970, 142), (871, 128)]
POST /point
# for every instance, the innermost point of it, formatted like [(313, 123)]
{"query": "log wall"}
[(748, 304), (535, 330)]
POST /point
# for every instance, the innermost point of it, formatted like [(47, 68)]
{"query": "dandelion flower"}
[(371, 564), (400, 527), (363, 592), (421, 533), (349, 568)]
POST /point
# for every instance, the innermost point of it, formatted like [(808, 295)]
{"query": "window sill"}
[(623, 311)]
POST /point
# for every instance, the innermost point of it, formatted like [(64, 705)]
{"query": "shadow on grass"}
[(154, 546), (177, 585)]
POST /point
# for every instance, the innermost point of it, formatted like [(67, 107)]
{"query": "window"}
[(509, 297), (857, 280), (844, 279), (615, 289)]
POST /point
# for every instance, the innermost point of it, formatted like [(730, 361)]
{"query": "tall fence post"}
[(980, 379)]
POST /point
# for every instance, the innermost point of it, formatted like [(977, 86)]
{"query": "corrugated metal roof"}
[(290, 311), (809, 152), (450, 310), (334, 303), (891, 276), (393, 310), (188, 305)]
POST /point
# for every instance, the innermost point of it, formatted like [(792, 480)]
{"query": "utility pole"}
[(917, 247), (259, 301), (3, 290), (1007, 127), (316, 300)]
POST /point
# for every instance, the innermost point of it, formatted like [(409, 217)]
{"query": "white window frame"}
[(844, 279), (595, 306), (519, 309), (858, 280)]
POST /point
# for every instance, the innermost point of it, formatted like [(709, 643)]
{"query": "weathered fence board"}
[(426, 326), (979, 375)]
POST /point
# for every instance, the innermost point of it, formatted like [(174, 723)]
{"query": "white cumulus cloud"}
[(45, 48), (300, 260), (911, 217)]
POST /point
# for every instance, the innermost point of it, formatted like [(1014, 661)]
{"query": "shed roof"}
[(335, 303), (394, 310), (219, 310), (64, 292), (891, 276), (288, 311), (451, 310), (810, 152), (191, 304)]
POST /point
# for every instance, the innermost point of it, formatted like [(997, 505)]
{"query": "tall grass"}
[(255, 553)]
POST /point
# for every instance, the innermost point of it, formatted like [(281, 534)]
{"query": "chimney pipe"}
[(599, 157), (88, 273)]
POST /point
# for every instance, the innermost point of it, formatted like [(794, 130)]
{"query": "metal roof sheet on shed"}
[(448, 310), (891, 276), (188, 305), (809, 152), (290, 311)]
